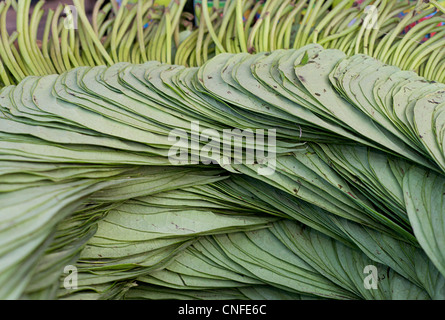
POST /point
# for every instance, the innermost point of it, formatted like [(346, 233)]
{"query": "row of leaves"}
[(87, 179)]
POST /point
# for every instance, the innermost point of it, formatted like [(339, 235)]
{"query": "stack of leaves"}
[(90, 177)]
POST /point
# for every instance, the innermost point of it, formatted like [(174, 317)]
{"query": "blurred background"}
[(52, 4), (49, 4)]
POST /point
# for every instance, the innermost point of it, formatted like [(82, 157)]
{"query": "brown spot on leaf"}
[(351, 195)]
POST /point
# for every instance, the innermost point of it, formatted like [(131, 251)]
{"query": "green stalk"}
[(234, 38), (365, 27), (192, 60), (94, 16), (54, 58), (123, 47), (46, 32), (239, 26), (13, 38), (439, 75), (252, 15), (55, 38), (129, 42), (102, 16), (28, 37), (273, 28), (136, 55), (125, 25), (188, 51), (178, 9), (154, 45), (227, 42), (14, 5), (176, 36), (85, 49), (259, 41), (168, 36), (344, 25), (278, 43), (73, 58), (340, 36), (185, 49), (329, 17), (420, 52), (89, 30), (265, 32), (4, 75), (141, 31), (115, 6), (116, 26), (22, 22), (151, 31), (229, 9), (20, 62), (92, 49), (64, 48), (311, 21), (437, 5), (368, 31), (77, 53), (346, 41), (413, 36), (383, 16), (205, 12), (389, 38), (108, 24), (433, 62), (299, 35), (34, 23), (148, 35), (5, 49), (333, 23), (159, 40), (206, 50), (286, 31), (199, 41), (381, 50)]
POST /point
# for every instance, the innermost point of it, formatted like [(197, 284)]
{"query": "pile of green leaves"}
[(86, 179)]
